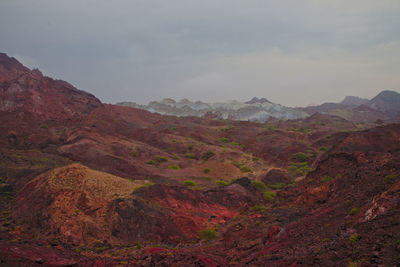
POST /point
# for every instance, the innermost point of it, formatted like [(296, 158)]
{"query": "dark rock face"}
[(133, 219), (276, 176)]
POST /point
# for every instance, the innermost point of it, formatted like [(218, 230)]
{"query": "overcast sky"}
[(293, 52)]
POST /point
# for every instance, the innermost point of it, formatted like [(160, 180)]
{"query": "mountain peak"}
[(354, 101), (256, 100), (10, 63)]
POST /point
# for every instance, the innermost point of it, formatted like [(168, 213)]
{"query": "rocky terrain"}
[(84, 183), (385, 107), (258, 110)]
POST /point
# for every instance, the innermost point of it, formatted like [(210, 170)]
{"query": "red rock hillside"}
[(88, 184)]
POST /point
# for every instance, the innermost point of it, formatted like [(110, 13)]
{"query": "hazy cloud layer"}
[(293, 52)]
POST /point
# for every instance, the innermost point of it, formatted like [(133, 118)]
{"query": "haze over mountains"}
[(385, 106)]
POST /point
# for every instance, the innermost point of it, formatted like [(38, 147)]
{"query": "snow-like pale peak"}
[(256, 109)]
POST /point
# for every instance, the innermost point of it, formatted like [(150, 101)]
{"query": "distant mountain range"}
[(256, 109), (384, 107)]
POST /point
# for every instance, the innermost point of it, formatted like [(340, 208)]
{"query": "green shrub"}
[(221, 183), (206, 170), (259, 185), (300, 157), (354, 211), (327, 179), (151, 162), (277, 186), (258, 208), (160, 159), (323, 148), (208, 234), (301, 130), (299, 169), (223, 140), (190, 156), (206, 156), (189, 183), (390, 177), (174, 167), (245, 169), (354, 237), (236, 144), (254, 159), (270, 127), (268, 195)]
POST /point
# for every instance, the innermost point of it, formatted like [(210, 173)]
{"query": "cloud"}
[(145, 50)]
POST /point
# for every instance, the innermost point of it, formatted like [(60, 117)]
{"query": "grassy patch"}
[(160, 159), (259, 185), (189, 183), (268, 195), (354, 211), (223, 140), (390, 177), (208, 234), (277, 186), (206, 170), (300, 156), (354, 237), (245, 169), (221, 183), (301, 130), (206, 156), (190, 156), (327, 179), (260, 208), (299, 169), (174, 167)]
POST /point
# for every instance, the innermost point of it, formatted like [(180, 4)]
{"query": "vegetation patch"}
[(174, 167), (260, 208), (189, 183), (390, 177), (190, 156), (208, 234), (327, 179), (223, 140), (206, 170), (269, 195), (221, 183), (300, 156), (354, 211), (206, 156), (299, 169), (301, 130), (259, 185), (277, 186), (245, 169), (151, 162), (354, 237), (160, 159)]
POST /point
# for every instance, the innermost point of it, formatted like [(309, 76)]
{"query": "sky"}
[(292, 52)]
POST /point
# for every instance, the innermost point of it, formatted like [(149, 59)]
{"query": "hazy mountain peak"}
[(354, 101), (256, 100)]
